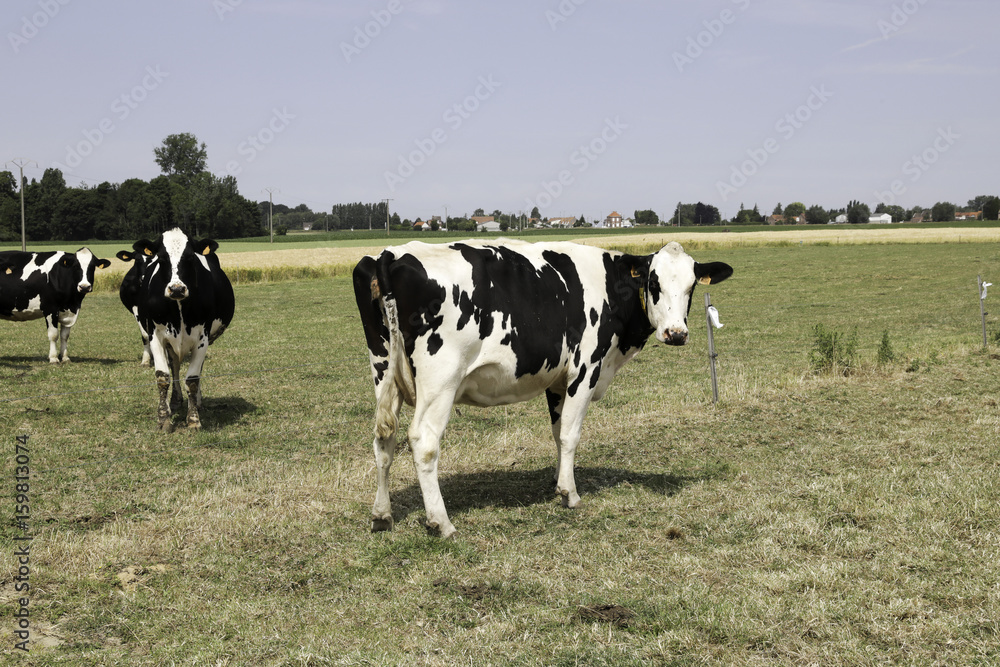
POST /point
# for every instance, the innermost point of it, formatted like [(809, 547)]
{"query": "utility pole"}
[(270, 209), (21, 163), (387, 215)]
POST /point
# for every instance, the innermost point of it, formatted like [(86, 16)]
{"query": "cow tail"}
[(398, 375)]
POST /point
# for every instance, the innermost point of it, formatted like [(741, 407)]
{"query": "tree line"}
[(185, 195)]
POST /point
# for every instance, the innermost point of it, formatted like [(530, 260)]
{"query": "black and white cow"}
[(48, 285), (184, 302), (492, 323), (129, 293)]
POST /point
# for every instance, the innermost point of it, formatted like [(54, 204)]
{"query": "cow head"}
[(84, 267), (670, 285), (181, 258)]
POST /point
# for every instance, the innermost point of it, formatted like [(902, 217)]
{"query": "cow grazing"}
[(129, 293), (48, 285), (183, 303), (492, 323)]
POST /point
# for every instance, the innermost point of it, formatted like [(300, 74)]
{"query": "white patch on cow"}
[(32, 312), (174, 242), (45, 267), (86, 259), (675, 271)]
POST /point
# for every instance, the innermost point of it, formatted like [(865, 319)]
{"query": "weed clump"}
[(833, 351), (885, 354)]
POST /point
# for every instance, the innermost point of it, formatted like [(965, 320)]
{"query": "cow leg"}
[(429, 422), (385, 451), (176, 396), (52, 328), (162, 365), (555, 401), (144, 362), (64, 343), (163, 411), (193, 382), (566, 431)]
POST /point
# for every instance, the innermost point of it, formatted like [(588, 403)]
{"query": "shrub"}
[(833, 351), (885, 354)]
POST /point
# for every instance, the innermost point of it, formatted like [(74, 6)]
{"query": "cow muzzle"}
[(672, 336), (85, 288), (177, 291)]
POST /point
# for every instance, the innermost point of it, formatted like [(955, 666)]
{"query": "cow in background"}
[(184, 302), (129, 294), (50, 285), (493, 323)]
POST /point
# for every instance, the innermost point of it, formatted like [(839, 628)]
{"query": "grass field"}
[(807, 518)]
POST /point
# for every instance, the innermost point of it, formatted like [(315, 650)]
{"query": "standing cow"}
[(500, 322), (129, 293), (48, 285), (184, 302)]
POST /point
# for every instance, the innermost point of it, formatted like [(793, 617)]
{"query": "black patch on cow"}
[(554, 400), (376, 333), (593, 316), (542, 307), (575, 385), (654, 287), (418, 298), (434, 343)]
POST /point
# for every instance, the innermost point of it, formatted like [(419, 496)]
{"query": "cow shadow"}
[(520, 488), (216, 413)]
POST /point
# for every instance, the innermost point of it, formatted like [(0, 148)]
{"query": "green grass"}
[(808, 518)]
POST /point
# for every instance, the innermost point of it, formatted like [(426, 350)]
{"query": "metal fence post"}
[(711, 349), (982, 308)]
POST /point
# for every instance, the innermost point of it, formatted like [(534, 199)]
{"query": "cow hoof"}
[(444, 532), (381, 525), (194, 426), (166, 427), (570, 501)]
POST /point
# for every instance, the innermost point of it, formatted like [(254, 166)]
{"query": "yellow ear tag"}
[(206, 251), (9, 271), (147, 252), (635, 274), (705, 280)]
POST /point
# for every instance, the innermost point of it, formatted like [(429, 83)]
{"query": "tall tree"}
[(858, 213), (991, 208), (181, 156), (943, 211)]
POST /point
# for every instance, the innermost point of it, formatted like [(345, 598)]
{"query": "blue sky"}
[(580, 107)]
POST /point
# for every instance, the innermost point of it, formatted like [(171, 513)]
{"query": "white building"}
[(884, 219)]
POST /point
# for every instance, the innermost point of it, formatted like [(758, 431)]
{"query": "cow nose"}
[(86, 288), (675, 336), (177, 291)]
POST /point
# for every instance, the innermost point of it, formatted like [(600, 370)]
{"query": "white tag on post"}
[(713, 316)]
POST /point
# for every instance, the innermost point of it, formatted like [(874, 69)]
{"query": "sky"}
[(578, 107)]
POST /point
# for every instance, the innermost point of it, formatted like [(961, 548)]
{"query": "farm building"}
[(883, 219)]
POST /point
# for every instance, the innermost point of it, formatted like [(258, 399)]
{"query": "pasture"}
[(807, 518)]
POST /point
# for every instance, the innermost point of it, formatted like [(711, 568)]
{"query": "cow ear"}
[(66, 261), (103, 263), (143, 246), (125, 255), (712, 272), (638, 267), (206, 246)]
